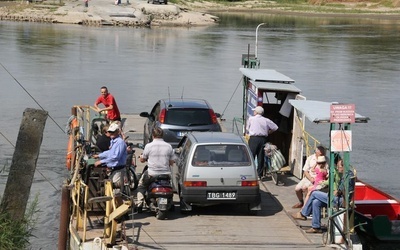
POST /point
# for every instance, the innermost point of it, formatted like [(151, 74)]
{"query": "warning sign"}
[(342, 113), (341, 140)]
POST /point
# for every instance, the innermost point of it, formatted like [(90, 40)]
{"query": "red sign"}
[(342, 113)]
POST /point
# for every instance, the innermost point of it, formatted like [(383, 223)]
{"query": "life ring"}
[(72, 126)]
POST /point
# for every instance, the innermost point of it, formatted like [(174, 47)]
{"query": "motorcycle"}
[(159, 196)]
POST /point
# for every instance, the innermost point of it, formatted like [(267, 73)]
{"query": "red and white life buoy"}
[(73, 125)]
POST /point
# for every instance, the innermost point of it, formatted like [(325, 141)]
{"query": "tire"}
[(161, 215), (127, 192), (181, 203), (253, 212), (133, 179)]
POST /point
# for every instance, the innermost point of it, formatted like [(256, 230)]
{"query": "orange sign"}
[(342, 113), (341, 140)]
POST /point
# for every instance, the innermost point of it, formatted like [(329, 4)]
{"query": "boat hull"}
[(377, 213)]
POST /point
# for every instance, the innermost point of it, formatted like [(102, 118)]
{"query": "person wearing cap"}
[(115, 160), (258, 128), (319, 199), (110, 105), (308, 176)]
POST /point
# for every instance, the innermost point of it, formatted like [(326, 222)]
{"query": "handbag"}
[(277, 160)]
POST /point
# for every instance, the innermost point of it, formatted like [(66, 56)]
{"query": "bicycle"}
[(131, 179), (268, 171), (274, 161)]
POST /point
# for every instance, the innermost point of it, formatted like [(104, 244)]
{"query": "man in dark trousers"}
[(159, 156), (258, 128), (115, 160)]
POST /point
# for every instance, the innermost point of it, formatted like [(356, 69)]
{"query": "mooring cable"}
[(231, 97), (42, 109), (36, 168), (26, 91)]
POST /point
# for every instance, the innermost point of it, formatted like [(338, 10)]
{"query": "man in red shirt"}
[(110, 105)]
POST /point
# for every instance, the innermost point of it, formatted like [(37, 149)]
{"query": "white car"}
[(214, 168)]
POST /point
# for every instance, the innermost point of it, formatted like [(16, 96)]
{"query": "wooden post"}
[(64, 218), (23, 165)]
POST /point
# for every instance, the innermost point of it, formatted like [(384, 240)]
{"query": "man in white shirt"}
[(258, 128), (159, 156)]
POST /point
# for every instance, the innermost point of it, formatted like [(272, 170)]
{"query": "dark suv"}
[(176, 117)]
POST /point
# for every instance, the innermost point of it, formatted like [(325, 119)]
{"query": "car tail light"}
[(162, 190), (195, 184), (161, 118), (213, 116), (249, 183)]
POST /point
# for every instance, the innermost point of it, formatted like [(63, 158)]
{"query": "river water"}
[(332, 59)]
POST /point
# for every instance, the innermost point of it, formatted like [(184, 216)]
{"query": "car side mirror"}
[(218, 115)]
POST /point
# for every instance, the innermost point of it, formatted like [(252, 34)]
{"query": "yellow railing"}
[(310, 142)]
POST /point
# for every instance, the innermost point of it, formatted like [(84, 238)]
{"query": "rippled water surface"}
[(58, 66)]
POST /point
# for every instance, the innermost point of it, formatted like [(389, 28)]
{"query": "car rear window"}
[(221, 155), (188, 117)]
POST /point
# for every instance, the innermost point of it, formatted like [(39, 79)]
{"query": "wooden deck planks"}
[(221, 227)]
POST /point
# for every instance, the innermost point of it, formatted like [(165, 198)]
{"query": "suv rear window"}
[(221, 155), (188, 117)]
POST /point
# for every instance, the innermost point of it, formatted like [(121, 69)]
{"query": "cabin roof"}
[(265, 75), (276, 87), (270, 79), (319, 112)]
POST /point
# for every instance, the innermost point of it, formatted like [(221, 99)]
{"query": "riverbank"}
[(183, 13), (105, 12)]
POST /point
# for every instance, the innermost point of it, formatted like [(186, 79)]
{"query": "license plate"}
[(221, 196), (163, 201)]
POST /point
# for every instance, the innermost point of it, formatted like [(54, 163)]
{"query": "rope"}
[(26, 91), (36, 168), (230, 99), (7, 139), (68, 129)]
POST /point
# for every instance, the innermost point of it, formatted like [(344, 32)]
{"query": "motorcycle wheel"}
[(161, 215)]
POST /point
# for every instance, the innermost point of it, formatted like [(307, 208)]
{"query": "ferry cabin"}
[(272, 90)]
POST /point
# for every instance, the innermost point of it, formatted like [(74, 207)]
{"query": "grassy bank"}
[(15, 234)]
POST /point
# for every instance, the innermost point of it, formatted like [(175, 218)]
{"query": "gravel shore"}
[(106, 12), (141, 13)]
